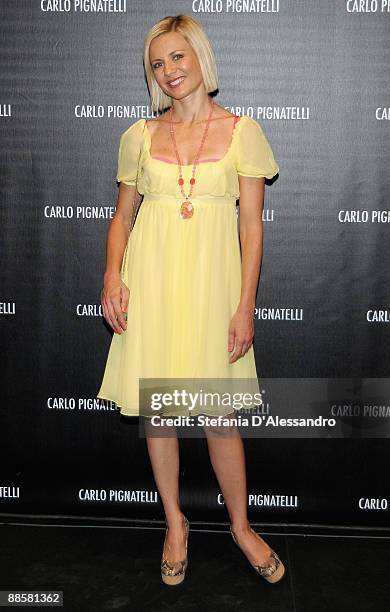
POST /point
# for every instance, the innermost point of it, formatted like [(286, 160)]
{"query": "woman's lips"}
[(176, 82)]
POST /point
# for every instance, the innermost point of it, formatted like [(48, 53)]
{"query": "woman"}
[(188, 293)]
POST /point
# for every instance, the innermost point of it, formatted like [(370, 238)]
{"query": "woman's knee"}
[(224, 428)]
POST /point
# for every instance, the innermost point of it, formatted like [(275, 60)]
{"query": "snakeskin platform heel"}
[(174, 574), (273, 571)]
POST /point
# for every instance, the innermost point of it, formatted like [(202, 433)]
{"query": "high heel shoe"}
[(174, 573), (273, 571)]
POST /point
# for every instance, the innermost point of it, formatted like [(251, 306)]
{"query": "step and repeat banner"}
[(315, 75)]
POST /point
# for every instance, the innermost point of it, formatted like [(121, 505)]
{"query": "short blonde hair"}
[(195, 35)]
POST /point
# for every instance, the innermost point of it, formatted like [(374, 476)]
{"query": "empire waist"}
[(203, 200)]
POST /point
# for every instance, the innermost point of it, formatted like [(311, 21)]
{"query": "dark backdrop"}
[(316, 76)]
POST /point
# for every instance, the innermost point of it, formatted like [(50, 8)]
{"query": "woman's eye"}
[(157, 64)]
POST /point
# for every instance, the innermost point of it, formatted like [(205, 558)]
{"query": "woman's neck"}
[(191, 110)]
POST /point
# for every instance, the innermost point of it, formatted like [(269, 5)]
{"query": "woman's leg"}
[(227, 457), (165, 461)]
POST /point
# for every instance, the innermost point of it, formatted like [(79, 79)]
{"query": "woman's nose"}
[(169, 69)]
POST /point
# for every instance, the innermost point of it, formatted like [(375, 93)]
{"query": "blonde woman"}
[(177, 292)]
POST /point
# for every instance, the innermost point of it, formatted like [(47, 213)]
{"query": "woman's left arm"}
[(241, 329)]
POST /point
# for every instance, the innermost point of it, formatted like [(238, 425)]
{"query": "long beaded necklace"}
[(187, 208)]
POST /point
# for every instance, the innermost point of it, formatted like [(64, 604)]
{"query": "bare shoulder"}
[(154, 123), (221, 113), (159, 118)]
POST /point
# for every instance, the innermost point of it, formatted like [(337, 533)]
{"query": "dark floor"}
[(118, 568)]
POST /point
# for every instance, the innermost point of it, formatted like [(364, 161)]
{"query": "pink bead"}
[(181, 181)]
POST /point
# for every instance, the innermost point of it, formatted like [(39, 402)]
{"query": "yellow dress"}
[(184, 275)]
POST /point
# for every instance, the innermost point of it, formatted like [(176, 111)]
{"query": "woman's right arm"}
[(115, 294)]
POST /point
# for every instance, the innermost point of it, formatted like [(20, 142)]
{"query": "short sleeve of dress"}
[(254, 156), (129, 153)]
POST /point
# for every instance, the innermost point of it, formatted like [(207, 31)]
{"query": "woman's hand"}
[(114, 298), (241, 333)]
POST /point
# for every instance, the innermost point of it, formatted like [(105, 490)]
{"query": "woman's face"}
[(175, 65)]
